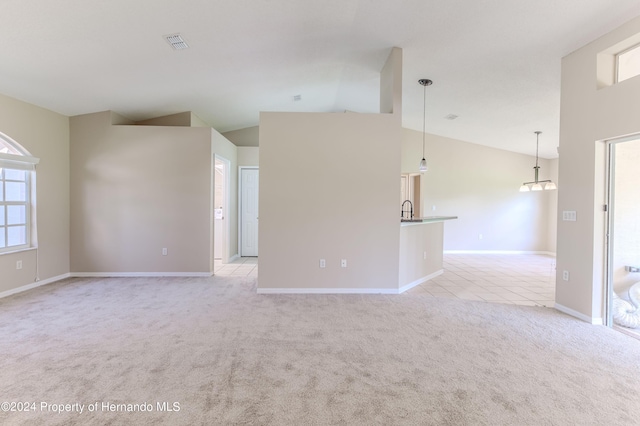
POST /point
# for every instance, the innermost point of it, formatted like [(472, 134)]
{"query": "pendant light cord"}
[(424, 118), (423, 163), (537, 143)]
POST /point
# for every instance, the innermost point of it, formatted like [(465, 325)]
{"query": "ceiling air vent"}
[(176, 41), (450, 116)]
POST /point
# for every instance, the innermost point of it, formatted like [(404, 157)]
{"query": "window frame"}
[(15, 157), (4, 204), (617, 61)]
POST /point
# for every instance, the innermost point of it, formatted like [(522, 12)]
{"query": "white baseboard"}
[(139, 274), (328, 291), (33, 285), (101, 275), (349, 290), (420, 281), (579, 315), (549, 253), (234, 257)]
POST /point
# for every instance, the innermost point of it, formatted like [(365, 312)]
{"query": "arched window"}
[(17, 196)]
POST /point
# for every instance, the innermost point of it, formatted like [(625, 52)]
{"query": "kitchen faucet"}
[(402, 211)]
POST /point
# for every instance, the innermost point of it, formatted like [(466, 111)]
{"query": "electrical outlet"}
[(323, 263), (433, 208), (480, 236), (165, 251), (19, 264), (565, 275), (424, 256), (343, 263)]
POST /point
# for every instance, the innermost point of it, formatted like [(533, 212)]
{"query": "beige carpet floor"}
[(225, 355)]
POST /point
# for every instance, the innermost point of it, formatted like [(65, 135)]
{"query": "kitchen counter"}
[(421, 254), (426, 219)]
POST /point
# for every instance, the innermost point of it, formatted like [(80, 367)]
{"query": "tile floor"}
[(520, 279), (241, 266)]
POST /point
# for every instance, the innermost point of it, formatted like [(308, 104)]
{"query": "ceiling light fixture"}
[(423, 163), (537, 185)]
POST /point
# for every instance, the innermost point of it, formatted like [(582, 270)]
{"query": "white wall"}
[(329, 189), (480, 185), (45, 135), (248, 156), (182, 119), (223, 147), (420, 253), (552, 208), (248, 136), (138, 189), (591, 111)]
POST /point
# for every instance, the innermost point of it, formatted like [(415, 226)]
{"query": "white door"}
[(249, 212)]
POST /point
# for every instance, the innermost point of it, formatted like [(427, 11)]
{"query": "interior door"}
[(249, 181)]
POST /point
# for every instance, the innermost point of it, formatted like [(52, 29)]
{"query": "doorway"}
[(221, 202), (410, 190), (248, 208), (623, 231)]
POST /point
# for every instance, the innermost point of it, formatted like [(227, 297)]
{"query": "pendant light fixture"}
[(423, 163), (537, 185)]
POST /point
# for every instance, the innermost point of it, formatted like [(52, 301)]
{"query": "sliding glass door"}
[(623, 257)]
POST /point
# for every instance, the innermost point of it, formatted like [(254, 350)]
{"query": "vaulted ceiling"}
[(495, 63)]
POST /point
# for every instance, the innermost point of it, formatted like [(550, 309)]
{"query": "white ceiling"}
[(494, 63)]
